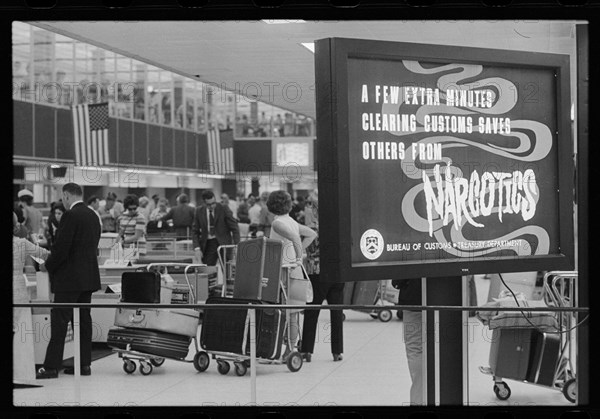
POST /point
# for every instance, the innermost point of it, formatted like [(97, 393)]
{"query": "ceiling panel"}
[(236, 53)]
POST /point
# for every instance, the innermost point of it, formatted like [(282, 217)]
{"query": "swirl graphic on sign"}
[(530, 141)]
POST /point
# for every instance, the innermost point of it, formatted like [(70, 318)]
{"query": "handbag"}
[(301, 290)]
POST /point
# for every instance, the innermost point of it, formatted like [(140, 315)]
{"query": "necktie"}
[(211, 219)]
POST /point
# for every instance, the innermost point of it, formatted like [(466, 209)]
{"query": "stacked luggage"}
[(526, 346), (151, 335), (225, 333)]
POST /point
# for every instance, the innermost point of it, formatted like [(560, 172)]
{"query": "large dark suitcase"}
[(151, 342), (226, 330), (348, 292), (510, 353), (270, 334), (140, 287), (257, 259), (365, 293), (544, 358)]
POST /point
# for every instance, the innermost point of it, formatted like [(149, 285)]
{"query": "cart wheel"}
[(240, 369), (145, 368), (201, 361), (223, 367), (157, 362), (129, 366), (385, 315), (502, 390), (570, 390), (343, 317), (294, 361), (399, 314)]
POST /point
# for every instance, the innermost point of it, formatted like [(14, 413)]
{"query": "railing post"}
[(77, 354), (253, 356)]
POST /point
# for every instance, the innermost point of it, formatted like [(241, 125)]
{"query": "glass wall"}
[(60, 71)]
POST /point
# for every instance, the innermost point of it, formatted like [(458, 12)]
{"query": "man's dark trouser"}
[(211, 255), (59, 321), (334, 294)]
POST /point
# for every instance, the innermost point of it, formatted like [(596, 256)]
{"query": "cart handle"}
[(185, 272)]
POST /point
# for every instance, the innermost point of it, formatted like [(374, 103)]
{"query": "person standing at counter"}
[(214, 226), (182, 216), (33, 216), (132, 225), (56, 212), (74, 276)]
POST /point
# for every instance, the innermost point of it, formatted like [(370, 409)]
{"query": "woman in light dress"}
[(295, 238), (23, 351)]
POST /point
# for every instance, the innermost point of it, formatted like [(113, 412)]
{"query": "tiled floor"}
[(373, 372)]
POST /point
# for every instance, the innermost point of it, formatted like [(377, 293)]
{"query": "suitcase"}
[(510, 353), (178, 321), (365, 293), (545, 354), (140, 287), (257, 259), (226, 330), (348, 291), (167, 345), (270, 334)]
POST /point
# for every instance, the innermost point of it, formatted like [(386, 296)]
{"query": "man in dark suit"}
[(74, 276), (214, 226)]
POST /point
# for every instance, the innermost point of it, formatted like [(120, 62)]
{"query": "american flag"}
[(220, 151), (90, 127)]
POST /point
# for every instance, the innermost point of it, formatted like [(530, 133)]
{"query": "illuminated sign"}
[(458, 158)]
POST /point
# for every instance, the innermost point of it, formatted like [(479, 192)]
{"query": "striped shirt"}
[(128, 224)]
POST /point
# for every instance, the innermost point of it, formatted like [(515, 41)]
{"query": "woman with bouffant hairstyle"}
[(295, 238)]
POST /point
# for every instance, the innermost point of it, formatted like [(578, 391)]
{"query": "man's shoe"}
[(44, 373), (307, 356), (337, 357), (85, 370)]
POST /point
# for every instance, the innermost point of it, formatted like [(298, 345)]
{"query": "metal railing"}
[(252, 311)]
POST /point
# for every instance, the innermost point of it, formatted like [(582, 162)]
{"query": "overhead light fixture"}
[(309, 46), (282, 21)]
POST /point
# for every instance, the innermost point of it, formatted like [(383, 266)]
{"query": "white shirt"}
[(254, 214)]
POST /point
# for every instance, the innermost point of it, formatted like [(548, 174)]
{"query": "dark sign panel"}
[(447, 161)]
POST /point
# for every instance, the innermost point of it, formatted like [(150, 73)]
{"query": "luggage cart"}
[(148, 361), (560, 290), (227, 256), (241, 361)]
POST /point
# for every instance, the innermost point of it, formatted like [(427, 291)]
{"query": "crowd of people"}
[(210, 224)]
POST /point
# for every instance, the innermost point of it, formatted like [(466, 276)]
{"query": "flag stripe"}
[(217, 150), (76, 137), (94, 147), (82, 136), (86, 124), (105, 141), (210, 155)]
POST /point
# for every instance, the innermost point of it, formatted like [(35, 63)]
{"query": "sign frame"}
[(332, 57)]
